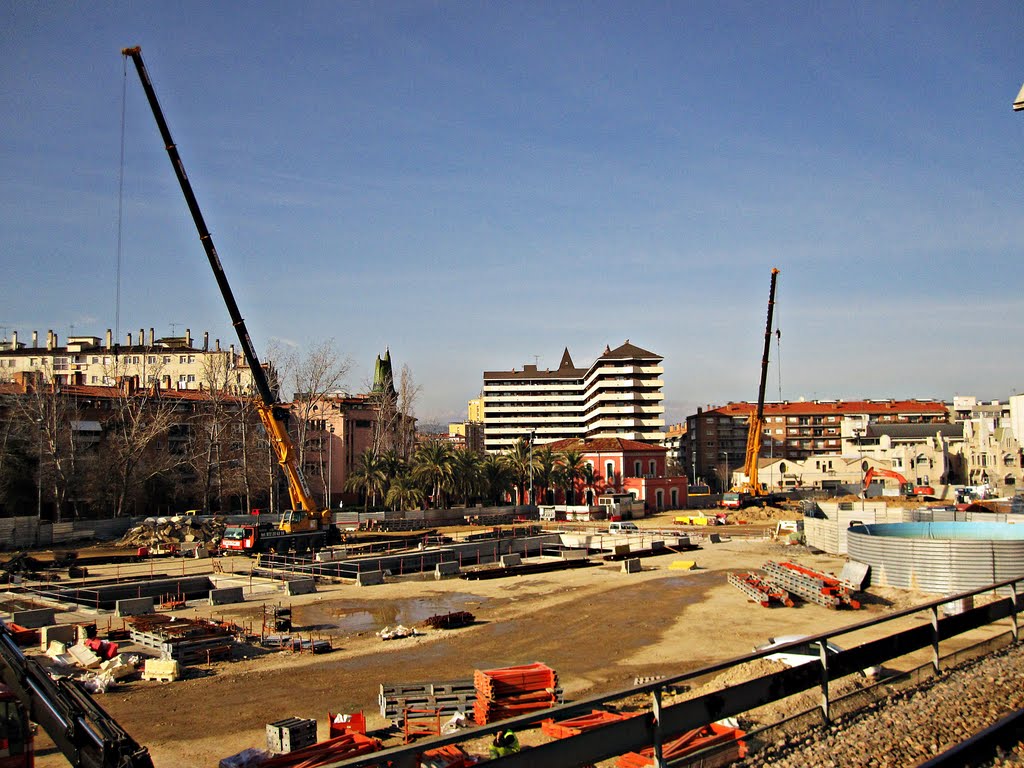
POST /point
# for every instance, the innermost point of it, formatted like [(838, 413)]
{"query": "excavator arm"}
[(272, 414)]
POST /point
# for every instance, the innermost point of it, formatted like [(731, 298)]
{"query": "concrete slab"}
[(34, 619), (369, 578), (300, 586), (632, 565), (134, 606), (441, 570), (226, 595), (61, 633), (574, 554), (507, 561)]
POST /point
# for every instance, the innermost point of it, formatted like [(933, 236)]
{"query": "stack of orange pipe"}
[(451, 756), (729, 739), (574, 726), (327, 752), (511, 691)]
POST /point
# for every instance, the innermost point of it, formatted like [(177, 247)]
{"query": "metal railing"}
[(665, 721)]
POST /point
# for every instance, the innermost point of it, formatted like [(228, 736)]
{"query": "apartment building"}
[(716, 438), (170, 362), (618, 395)]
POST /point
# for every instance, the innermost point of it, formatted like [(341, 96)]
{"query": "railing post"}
[(826, 713), (659, 760), (1013, 612), (935, 639)]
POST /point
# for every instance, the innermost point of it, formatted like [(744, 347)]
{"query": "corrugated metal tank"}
[(940, 557)]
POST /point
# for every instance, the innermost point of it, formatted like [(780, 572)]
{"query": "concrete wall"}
[(225, 595), (135, 606)]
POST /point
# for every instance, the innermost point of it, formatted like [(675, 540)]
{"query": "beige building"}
[(618, 395), (168, 362)]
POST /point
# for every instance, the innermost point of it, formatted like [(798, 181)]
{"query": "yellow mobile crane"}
[(751, 488), (304, 525)]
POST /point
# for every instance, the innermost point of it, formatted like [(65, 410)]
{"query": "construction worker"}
[(505, 743)]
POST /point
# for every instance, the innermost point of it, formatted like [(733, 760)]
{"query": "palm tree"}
[(404, 493), (367, 476), (496, 477), (432, 465), (545, 464), (466, 477), (573, 464), (393, 465), (520, 460)]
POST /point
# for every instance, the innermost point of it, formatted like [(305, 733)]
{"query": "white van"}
[(623, 527)]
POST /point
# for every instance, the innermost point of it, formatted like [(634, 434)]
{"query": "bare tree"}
[(136, 443)]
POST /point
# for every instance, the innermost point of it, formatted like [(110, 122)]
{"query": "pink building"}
[(619, 465)]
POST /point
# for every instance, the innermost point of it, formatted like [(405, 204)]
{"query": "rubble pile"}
[(165, 532)]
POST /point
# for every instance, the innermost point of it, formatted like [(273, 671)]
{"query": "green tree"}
[(466, 474), (367, 476), (545, 472), (496, 477), (573, 466), (520, 460), (432, 466), (404, 493)]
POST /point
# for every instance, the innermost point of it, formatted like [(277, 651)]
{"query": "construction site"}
[(682, 638), (423, 650)]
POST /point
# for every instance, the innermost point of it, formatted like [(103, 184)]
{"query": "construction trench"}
[(218, 639)]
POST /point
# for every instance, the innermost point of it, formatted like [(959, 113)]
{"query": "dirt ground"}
[(598, 627)]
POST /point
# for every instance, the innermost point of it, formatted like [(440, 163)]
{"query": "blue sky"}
[(477, 184)]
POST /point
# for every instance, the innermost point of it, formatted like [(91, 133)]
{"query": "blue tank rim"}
[(944, 531)]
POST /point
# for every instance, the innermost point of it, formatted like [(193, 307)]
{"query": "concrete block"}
[(715, 538), (441, 570), (683, 565), (574, 554), (657, 546), (225, 595), (301, 586), (621, 550), (507, 561), (166, 670), (632, 565), (60, 633), (135, 606), (368, 578), (34, 619)]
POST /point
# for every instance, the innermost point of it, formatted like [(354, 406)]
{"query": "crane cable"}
[(778, 349), (120, 206)]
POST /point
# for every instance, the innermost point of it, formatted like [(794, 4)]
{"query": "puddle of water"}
[(406, 612)]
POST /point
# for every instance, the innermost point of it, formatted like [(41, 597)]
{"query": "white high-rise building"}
[(618, 396)]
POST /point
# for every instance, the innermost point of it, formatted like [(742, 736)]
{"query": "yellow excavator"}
[(304, 517)]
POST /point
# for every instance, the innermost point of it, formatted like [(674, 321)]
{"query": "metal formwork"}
[(939, 557)]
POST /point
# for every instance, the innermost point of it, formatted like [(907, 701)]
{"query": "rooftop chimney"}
[(110, 342), (216, 344), (188, 337), (152, 337), (14, 340), (128, 339), (35, 339), (206, 341)]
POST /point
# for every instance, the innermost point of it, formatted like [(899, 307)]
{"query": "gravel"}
[(909, 727)]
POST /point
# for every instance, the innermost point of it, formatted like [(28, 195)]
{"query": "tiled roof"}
[(604, 445), (816, 407), (629, 351)]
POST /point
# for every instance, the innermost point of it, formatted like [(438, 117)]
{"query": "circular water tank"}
[(942, 558)]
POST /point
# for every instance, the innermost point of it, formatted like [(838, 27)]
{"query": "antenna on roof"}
[(536, 359)]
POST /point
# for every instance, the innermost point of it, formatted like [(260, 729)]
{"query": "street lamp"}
[(725, 481), (330, 463), (531, 468)]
